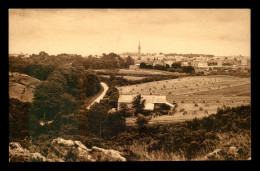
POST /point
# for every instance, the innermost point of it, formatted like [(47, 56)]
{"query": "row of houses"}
[(196, 62)]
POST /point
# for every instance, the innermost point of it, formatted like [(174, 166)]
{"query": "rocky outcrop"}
[(70, 151), (21, 86), (225, 153), (62, 150), (19, 154), (103, 155)]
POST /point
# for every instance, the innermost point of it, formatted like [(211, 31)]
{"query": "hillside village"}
[(201, 62), (78, 92), (164, 97)]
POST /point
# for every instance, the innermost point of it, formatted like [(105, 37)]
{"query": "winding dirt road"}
[(104, 85)]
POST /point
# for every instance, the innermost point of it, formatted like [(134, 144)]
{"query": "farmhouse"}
[(152, 102)]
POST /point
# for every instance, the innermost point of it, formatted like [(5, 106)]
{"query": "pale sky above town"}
[(221, 32)]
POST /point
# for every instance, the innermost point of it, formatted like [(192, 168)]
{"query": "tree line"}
[(175, 67), (42, 64)]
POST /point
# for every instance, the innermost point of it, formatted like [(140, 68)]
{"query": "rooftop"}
[(148, 98)]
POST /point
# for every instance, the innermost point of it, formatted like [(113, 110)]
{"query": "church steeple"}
[(139, 49)]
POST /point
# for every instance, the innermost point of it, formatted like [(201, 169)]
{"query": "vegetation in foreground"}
[(191, 140)]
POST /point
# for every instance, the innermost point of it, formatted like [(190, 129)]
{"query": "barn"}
[(153, 102)]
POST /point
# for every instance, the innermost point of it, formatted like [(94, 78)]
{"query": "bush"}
[(141, 121)]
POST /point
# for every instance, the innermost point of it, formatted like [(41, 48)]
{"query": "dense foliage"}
[(107, 61), (61, 98), (98, 122), (41, 65), (63, 92), (192, 138), (175, 67), (138, 104), (18, 119), (39, 71), (120, 81)]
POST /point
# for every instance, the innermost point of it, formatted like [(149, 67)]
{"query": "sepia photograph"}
[(129, 85)]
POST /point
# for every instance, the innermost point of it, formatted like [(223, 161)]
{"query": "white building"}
[(202, 65), (151, 101), (159, 57)]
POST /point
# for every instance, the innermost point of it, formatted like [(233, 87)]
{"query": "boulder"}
[(232, 152), (215, 155), (19, 154), (225, 153), (68, 151), (103, 155), (22, 86), (62, 150)]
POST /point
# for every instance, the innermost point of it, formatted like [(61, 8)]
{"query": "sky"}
[(221, 32)]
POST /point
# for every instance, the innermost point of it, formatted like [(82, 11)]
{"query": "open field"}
[(139, 72), (208, 92), (126, 77), (148, 72)]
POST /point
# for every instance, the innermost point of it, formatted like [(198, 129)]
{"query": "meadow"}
[(196, 96), (126, 77), (137, 72)]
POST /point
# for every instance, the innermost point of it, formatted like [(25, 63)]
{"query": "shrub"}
[(141, 121), (182, 110)]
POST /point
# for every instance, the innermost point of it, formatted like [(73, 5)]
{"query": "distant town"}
[(200, 62), (129, 85)]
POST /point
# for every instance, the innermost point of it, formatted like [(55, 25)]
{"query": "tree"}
[(18, 118), (138, 104), (18, 65), (176, 65), (188, 69), (142, 121), (42, 53), (116, 123), (159, 67), (129, 61), (47, 100), (142, 65), (68, 104)]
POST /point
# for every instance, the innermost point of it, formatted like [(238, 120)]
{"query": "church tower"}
[(139, 50)]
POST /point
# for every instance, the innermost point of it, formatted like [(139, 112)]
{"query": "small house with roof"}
[(152, 102)]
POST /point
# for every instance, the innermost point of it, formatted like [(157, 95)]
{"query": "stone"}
[(68, 150), (102, 155), (62, 150), (233, 152), (19, 154), (215, 155)]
